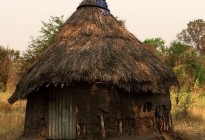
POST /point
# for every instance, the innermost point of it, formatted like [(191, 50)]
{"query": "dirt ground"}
[(156, 137), (191, 134)]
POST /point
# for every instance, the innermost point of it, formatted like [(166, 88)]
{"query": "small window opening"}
[(147, 107)]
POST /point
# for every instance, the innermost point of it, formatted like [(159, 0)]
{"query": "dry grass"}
[(11, 118), (190, 124)]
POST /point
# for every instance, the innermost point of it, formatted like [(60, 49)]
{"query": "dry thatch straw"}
[(94, 47)]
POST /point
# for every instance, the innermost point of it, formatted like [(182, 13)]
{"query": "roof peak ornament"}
[(102, 4)]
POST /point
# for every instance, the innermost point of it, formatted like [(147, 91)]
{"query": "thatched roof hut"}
[(93, 47)]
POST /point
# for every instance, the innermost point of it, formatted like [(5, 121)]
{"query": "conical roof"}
[(93, 46)]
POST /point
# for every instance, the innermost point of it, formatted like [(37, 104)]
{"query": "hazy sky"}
[(20, 19)]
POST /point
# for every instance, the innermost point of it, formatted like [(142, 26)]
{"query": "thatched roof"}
[(94, 47)]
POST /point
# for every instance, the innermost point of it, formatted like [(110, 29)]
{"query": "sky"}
[(21, 19)]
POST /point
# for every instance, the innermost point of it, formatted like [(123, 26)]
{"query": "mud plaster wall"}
[(35, 119), (103, 112), (145, 114)]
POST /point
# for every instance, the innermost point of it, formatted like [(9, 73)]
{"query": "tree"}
[(3, 68), (157, 43), (40, 43), (194, 35), (176, 53), (191, 73), (157, 47), (187, 64), (8, 58)]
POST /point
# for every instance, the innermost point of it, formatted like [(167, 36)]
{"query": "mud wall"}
[(103, 112), (35, 119)]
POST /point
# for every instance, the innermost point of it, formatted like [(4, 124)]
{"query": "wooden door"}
[(61, 115)]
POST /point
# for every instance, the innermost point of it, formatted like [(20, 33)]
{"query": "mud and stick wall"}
[(115, 113), (103, 112), (35, 118)]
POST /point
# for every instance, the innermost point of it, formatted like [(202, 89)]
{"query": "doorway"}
[(61, 115)]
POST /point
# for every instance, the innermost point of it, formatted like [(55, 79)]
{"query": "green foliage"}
[(40, 43), (177, 48), (154, 42), (176, 54), (14, 54), (3, 54), (191, 74), (187, 64), (157, 43), (186, 102), (194, 35), (200, 102), (182, 74)]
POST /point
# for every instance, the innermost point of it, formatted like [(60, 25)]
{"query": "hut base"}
[(102, 113), (150, 137)]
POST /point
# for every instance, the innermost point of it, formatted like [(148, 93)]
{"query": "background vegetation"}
[(185, 55)]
